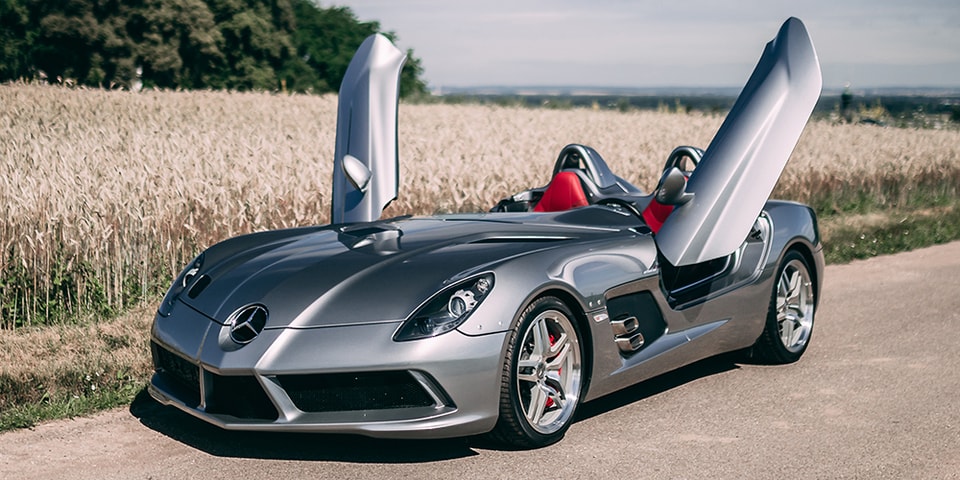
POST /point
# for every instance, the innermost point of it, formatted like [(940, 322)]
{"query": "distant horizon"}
[(588, 90), (686, 43)]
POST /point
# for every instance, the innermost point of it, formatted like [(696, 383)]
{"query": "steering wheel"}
[(685, 158), (620, 203)]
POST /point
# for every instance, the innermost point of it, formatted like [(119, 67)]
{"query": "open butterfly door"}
[(365, 166), (741, 166)]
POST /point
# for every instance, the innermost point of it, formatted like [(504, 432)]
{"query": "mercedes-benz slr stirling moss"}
[(501, 322)]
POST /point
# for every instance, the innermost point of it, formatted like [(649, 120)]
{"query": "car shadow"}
[(290, 446), (358, 449), (659, 384)]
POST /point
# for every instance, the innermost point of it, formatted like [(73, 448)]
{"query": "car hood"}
[(370, 272)]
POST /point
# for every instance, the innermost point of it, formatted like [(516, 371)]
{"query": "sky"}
[(676, 43)]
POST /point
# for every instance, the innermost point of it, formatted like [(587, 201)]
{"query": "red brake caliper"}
[(549, 402)]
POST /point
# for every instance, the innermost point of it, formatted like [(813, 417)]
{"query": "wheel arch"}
[(580, 317), (806, 250), (510, 428), (795, 228)]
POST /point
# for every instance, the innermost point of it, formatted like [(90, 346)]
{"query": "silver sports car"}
[(501, 322)]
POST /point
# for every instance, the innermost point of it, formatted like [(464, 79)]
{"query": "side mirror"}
[(673, 188), (357, 173)]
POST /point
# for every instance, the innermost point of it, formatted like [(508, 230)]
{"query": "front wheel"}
[(789, 325), (542, 376)]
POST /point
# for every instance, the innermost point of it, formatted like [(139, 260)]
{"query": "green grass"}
[(63, 371), (852, 237), (30, 414)]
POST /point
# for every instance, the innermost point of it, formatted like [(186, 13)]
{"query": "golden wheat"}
[(104, 192)]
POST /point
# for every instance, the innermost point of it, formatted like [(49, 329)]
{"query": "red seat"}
[(655, 214), (563, 193)]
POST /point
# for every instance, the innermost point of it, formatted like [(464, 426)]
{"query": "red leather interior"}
[(655, 214), (563, 193)]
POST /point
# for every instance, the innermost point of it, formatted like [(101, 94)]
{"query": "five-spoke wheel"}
[(542, 376), (790, 319)]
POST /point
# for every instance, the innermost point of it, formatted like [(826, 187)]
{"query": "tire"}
[(789, 323), (542, 376)]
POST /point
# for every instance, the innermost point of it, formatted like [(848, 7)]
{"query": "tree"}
[(411, 83), (238, 44), (67, 41), (326, 39), (176, 42), (16, 40), (256, 41)]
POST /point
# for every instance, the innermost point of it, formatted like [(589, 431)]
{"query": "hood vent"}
[(521, 239), (198, 286), (366, 230), (382, 240)]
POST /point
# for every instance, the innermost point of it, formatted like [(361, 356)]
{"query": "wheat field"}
[(106, 194)]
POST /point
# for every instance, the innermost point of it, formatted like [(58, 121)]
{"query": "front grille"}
[(178, 373), (239, 396), (355, 391)]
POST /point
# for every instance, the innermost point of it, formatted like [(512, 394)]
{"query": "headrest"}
[(563, 193)]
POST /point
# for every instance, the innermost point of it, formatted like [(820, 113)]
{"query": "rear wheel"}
[(790, 318), (542, 376)]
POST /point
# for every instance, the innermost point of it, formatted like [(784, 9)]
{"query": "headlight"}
[(180, 284), (446, 311)]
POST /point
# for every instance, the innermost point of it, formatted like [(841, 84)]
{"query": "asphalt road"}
[(877, 395)]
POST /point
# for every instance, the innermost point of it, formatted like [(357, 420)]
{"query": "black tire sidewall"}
[(537, 307), (776, 350)]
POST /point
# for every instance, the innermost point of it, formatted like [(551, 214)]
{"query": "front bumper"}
[(342, 379)]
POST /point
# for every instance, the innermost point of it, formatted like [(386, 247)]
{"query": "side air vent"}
[(637, 321)]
